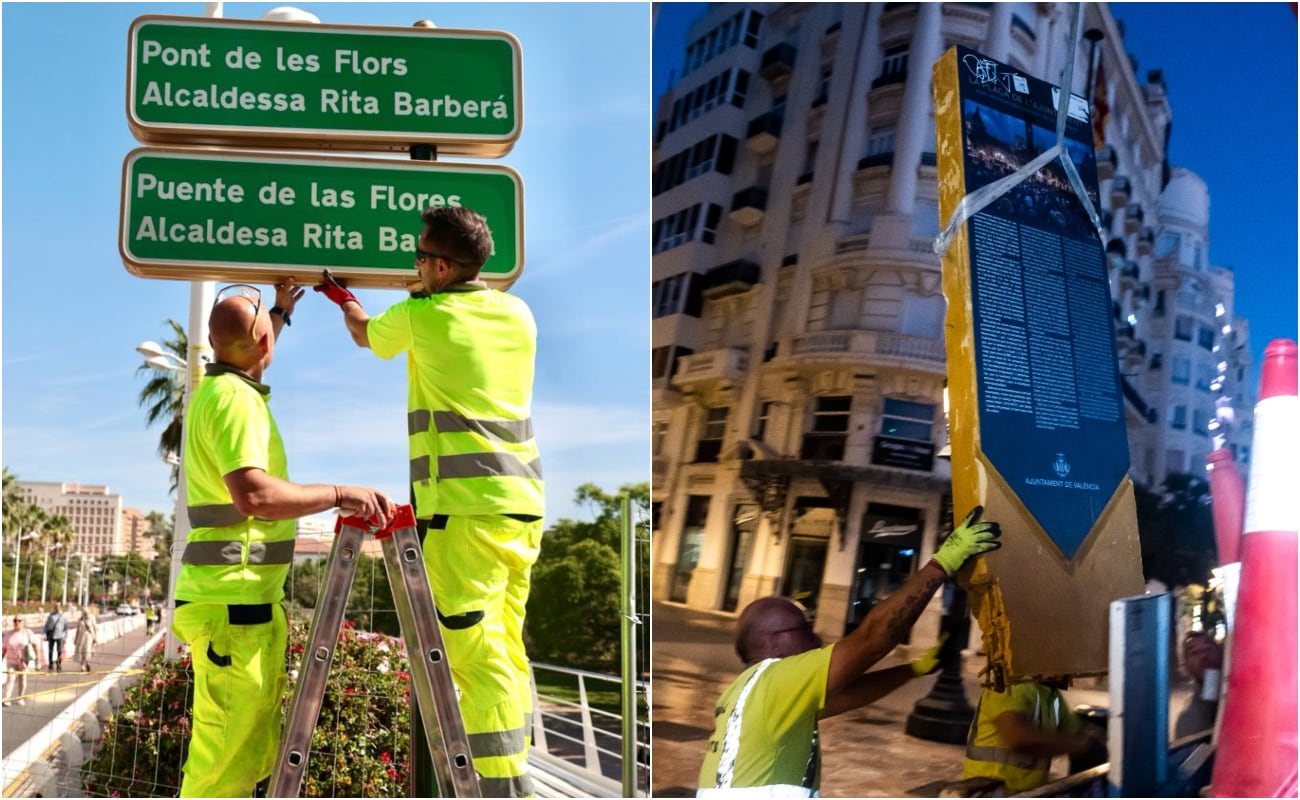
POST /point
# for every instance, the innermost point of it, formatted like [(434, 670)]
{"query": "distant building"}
[(135, 534), (798, 361), (95, 513), (316, 537)]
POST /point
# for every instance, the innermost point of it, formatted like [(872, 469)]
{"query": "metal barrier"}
[(582, 738)]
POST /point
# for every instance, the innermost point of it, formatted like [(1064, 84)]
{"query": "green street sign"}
[(198, 80), (231, 216)]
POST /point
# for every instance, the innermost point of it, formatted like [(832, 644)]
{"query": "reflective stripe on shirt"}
[(231, 551)]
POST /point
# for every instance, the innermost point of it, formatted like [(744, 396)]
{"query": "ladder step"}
[(417, 617), (430, 673), (323, 637)]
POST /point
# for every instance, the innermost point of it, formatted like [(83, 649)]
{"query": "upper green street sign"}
[(197, 80), (192, 214)]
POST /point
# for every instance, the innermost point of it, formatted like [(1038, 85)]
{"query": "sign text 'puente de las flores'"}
[(220, 215), (1037, 414)]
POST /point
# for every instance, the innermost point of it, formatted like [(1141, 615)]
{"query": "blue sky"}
[(72, 315), (1230, 76)]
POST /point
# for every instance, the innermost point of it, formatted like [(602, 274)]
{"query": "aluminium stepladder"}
[(431, 681)]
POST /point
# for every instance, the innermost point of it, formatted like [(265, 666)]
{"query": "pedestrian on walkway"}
[(766, 723), (242, 508), (56, 630), (22, 651), (87, 638), (150, 619), (475, 473)]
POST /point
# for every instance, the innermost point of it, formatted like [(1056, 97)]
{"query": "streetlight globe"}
[(161, 362), (290, 14), (149, 349)]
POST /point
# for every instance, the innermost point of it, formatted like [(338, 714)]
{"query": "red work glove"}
[(335, 291)]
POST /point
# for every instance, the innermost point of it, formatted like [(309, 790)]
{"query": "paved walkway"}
[(865, 753)]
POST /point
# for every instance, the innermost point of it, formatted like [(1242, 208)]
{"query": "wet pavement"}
[(865, 753)]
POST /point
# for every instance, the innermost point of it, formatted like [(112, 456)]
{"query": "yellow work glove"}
[(971, 538), (929, 660)]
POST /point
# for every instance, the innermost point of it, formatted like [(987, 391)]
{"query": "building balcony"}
[(1133, 218), (724, 364), (659, 470), (763, 133), (854, 346), (1117, 248), (734, 277), (1120, 192), (1129, 275), (889, 79), (778, 62), (1146, 242), (1135, 355), (1107, 163), (876, 160), (748, 206)]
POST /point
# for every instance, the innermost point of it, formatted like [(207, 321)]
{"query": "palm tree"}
[(14, 504), (32, 520), (163, 398), (55, 535)]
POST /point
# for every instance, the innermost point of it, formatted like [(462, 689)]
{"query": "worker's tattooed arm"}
[(883, 629)]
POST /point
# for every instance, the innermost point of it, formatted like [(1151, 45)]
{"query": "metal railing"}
[(586, 739)]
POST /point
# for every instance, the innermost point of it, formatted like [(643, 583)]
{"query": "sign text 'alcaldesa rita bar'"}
[(194, 214), (195, 80), (1036, 406)]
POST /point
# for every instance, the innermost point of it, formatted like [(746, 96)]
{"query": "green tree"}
[(574, 608), (162, 530), (1176, 529), (163, 398)]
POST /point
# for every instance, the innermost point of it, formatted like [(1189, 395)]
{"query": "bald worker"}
[(764, 741), (242, 507)]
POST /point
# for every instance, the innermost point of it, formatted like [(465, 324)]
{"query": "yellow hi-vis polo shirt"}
[(774, 740), (230, 558), (986, 754), (470, 358)]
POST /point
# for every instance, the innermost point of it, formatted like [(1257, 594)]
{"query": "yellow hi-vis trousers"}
[(479, 573), (239, 683)]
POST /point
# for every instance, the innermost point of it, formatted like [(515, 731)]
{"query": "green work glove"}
[(929, 660), (971, 538)]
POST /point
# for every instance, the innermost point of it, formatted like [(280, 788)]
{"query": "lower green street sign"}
[(222, 215)]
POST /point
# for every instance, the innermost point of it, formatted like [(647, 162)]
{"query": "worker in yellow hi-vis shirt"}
[(765, 737), (242, 507), (1015, 733), (475, 472)]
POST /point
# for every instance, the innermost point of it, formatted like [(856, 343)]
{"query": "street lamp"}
[(18, 554), (45, 570), (158, 358)]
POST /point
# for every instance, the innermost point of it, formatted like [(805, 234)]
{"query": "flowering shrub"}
[(359, 745)]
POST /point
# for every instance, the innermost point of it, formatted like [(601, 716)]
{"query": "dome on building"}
[(1186, 198)]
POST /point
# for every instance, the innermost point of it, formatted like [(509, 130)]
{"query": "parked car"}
[(125, 610)]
